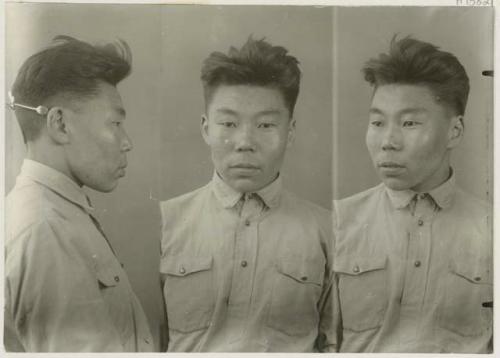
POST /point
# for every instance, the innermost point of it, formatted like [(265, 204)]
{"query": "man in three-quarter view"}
[(413, 255), (65, 290), (246, 264)]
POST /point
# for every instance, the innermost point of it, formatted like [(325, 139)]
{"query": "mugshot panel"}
[(129, 215)]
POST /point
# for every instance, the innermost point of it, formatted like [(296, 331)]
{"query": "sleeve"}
[(53, 298), (164, 331), (328, 333)]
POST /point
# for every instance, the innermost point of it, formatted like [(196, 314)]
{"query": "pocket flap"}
[(108, 277), (355, 265), (472, 269), (304, 271), (181, 265)]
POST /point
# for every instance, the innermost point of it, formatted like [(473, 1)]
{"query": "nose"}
[(391, 139), (244, 139), (126, 145)]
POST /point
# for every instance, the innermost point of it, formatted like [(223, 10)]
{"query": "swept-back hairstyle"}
[(256, 63), (415, 62), (68, 67)]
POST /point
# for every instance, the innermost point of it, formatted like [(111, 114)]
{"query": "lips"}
[(390, 165), (244, 166)]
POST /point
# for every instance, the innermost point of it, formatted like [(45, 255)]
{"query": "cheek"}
[(426, 148), (371, 141)]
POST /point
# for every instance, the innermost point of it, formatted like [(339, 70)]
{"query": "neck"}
[(50, 156)]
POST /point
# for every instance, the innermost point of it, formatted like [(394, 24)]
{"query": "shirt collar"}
[(442, 195), (56, 181), (229, 197)]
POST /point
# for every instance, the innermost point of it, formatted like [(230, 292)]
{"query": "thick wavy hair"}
[(71, 68), (257, 63), (410, 61)]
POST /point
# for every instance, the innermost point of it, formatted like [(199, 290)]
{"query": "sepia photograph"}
[(248, 178)]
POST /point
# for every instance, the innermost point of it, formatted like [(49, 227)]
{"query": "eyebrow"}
[(225, 110), (269, 112), (413, 110), (265, 112)]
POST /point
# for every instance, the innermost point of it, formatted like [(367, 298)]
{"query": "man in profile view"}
[(413, 255), (65, 290), (246, 264)]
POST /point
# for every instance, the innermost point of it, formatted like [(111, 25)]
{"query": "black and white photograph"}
[(248, 178)]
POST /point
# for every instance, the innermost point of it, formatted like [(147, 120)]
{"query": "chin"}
[(396, 184), (244, 186), (103, 188)]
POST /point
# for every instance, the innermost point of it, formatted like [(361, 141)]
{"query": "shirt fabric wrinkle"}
[(65, 289), (254, 301), (419, 301)]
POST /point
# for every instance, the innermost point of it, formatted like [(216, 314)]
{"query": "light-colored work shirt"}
[(65, 290), (246, 272), (414, 271)]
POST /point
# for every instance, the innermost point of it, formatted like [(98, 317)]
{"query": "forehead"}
[(396, 97), (247, 98)]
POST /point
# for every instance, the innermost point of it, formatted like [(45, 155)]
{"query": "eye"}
[(117, 123), (376, 123), (228, 124), (410, 124), (266, 125)]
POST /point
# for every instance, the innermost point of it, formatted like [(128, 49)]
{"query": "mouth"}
[(121, 170), (390, 169), (390, 165), (244, 166)]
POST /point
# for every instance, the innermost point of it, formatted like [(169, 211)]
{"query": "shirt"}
[(246, 272), (413, 271), (65, 290)]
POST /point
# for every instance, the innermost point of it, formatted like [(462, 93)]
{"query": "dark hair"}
[(256, 63), (411, 61), (68, 67)]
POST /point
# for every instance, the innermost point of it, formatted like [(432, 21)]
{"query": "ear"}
[(57, 125), (291, 132), (204, 128), (455, 131)]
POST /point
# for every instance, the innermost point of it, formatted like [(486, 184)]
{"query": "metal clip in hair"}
[(41, 110)]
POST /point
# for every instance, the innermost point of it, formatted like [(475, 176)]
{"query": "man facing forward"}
[(245, 264), (65, 290), (413, 258)]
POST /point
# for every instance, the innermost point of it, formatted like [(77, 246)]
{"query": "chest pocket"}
[(107, 277), (295, 295), (114, 288), (468, 285), (362, 285), (188, 291)]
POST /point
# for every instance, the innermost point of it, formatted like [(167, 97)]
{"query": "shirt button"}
[(182, 270), (117, 279), (477, 279), (421, 196), (420, 222), (304, 278), (244, 263), (417, 263), (247, 222), (355, 269)]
